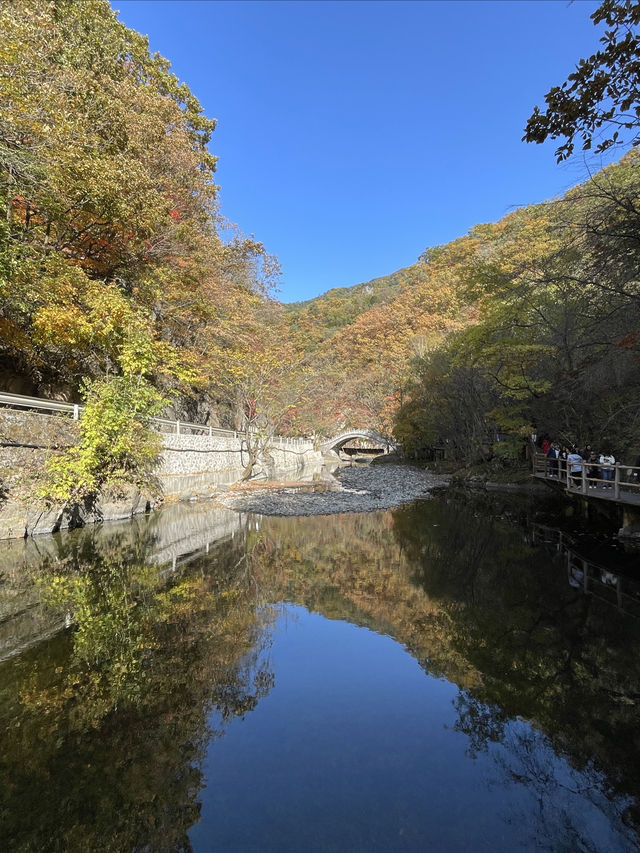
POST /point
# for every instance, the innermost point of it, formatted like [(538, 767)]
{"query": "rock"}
[(13, 520), (359, 489), (18, 520)]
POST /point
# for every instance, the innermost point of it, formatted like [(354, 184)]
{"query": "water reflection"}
[(103, 728), (122, 732), (607, 573)]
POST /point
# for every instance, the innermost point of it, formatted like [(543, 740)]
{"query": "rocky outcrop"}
[(18, 519)]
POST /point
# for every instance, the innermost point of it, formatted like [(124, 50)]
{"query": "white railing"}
[(17, 401)]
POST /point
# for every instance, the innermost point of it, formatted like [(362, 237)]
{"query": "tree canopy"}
[(599, 103), (116, 267)]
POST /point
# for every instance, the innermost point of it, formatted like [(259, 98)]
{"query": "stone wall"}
[(191, 467), (27, 438), (195, 465)]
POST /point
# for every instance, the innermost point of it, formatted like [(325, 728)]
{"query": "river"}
[(449, 675)]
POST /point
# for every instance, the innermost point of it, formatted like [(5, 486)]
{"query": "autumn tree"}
[(262, 372), (599, 103), (115, 265), (551, 296)]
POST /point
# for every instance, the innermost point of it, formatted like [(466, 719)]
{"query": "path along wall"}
[(191, 467)]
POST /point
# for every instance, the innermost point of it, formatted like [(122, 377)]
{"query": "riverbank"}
[(189, 467), (351, 489)]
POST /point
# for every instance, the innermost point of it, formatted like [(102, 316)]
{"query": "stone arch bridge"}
[(384, 442)]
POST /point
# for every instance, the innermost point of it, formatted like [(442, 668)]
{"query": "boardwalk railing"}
[(587, 575), (17, 401), (617, 482)]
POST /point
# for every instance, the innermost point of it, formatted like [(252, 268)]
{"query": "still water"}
[(453, 675)]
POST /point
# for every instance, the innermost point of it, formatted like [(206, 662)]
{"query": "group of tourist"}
[(599, 467)]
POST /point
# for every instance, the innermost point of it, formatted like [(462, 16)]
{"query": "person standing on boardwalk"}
[(553, 451), (593, 471), (562, 461), (574, 465), (607, 461)]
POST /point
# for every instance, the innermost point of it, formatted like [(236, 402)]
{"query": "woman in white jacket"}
[(607, 461)]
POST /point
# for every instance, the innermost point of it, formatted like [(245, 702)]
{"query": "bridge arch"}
[(385, 442)]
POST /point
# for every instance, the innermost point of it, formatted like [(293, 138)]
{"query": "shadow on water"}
[(107, 723)]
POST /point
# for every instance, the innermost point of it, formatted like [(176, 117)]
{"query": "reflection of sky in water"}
[(355, 749)]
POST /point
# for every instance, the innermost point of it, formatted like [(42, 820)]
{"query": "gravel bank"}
[(357, 489)]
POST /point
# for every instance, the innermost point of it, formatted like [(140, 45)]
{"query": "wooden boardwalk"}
[(624, 488), (619, 588)]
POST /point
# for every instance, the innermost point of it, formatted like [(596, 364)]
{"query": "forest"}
[(123, 286)]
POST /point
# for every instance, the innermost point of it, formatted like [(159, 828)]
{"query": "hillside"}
[(324, 315), (526, 324), (121, 285)]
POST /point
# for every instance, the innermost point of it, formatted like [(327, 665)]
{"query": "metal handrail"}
[(18, 401)]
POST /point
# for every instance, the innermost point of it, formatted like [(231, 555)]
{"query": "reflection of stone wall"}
[(165, 538), (23, 620), (181, 529)]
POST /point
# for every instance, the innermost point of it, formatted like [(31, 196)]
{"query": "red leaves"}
[(629, 341)]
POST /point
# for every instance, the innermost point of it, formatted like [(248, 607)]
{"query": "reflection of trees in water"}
[(457, 582), (546, 653), (526, 758), (106, 729), (352, 567)]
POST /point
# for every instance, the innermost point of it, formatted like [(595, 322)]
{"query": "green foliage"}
[(116, 446), (552, 295), (109, 640), (117, 274), (112, 250)]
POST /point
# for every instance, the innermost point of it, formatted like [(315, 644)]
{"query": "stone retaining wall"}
[(191, 467), (26, 439), (195, 465)]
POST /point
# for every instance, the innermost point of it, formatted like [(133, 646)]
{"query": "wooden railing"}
[(624, 480), (590, 577), (17, 401)]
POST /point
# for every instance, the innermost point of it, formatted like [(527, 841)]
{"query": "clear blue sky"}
[(351, 135)]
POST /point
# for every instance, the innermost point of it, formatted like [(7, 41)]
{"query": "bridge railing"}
[(612, 480), (601, 581), (164, 425)]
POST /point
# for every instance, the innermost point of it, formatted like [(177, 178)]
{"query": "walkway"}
[(624, 488)]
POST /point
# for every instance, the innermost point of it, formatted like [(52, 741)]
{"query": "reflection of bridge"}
[(384, 442), (597, 578)]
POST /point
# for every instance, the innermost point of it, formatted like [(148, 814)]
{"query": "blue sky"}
[(351, 135)]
